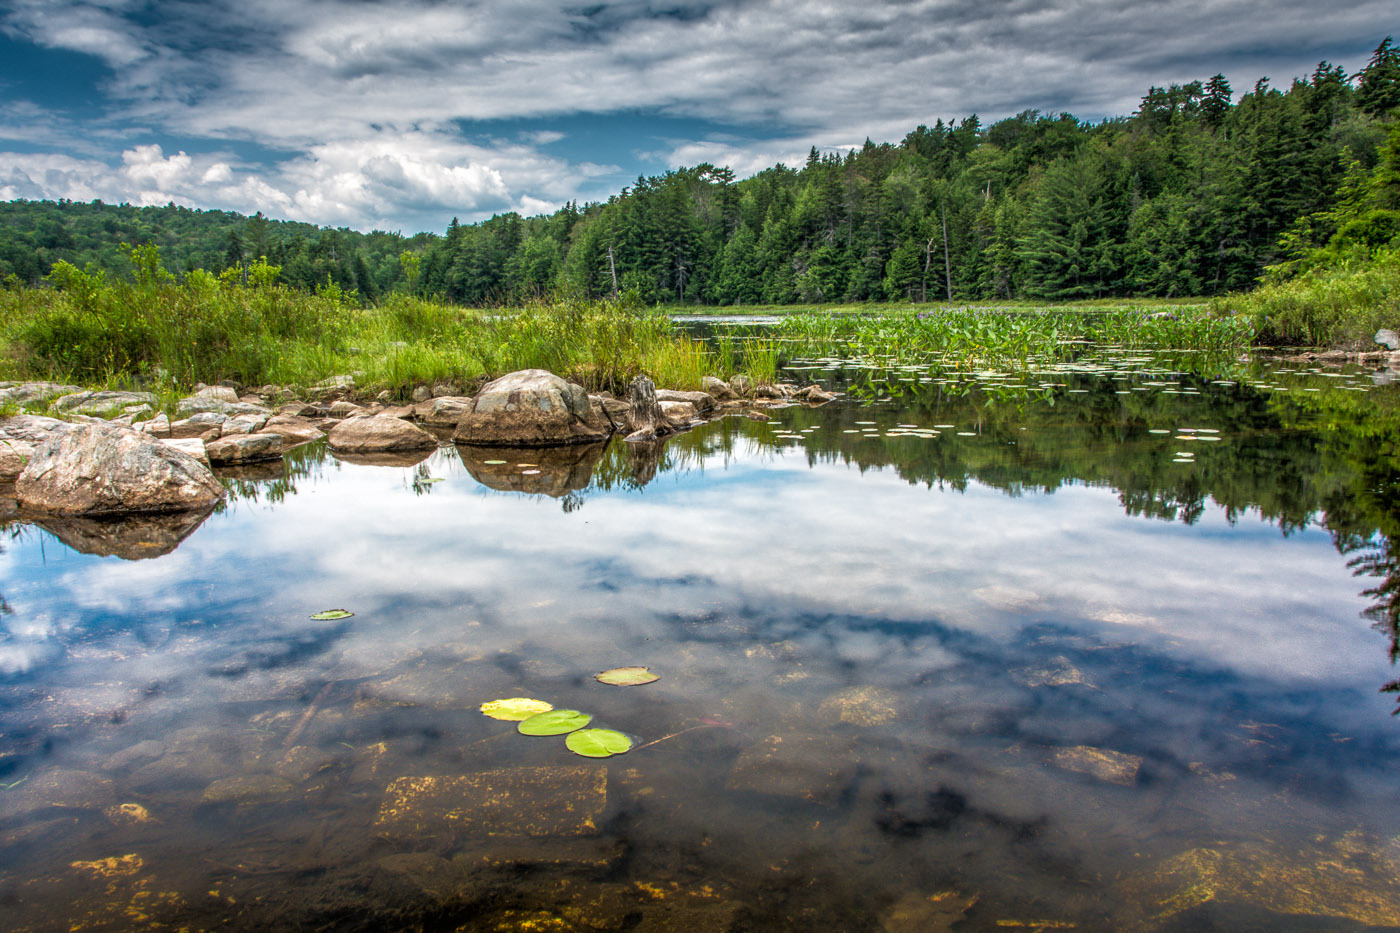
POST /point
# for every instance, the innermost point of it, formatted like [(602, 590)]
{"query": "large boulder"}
[(108, 469), (444, 411), (24, 393), (244, 448), (293, 431), (101, 402), (530, 408), (377, 434)]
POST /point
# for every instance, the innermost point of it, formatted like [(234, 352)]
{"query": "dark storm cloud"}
[(352, 84)]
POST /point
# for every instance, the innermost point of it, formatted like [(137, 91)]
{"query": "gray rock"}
[(814, 394), (741, 384), (244, 448), (34, 428), (379, 434), (1388, 338), (343, 409), (445, 389), (717, 388), (679, 411), (767, 391), (243, 424), (190, 445), (159, 426), (702, 401), (27, 393), (530, 408), (422, 394), (69, 790), (293, 431), (104, 469), (98, 403), (446, 411), (219, 393), (197, 404)]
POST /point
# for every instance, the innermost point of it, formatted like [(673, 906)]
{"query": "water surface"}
[(964, 654)]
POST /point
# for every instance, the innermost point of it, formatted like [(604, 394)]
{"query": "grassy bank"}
[(1331, 306), (158, 333)]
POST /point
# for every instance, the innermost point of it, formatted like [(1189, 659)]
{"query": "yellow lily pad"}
[(515, 709)]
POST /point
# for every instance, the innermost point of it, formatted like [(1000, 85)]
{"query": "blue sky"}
[(400, 115)]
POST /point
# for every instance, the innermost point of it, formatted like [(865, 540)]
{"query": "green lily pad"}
[(627, 676), (554, 722), (515, 709), (328, 615), (598, 743)]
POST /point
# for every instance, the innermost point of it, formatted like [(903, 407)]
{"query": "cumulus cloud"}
[(354, 88)]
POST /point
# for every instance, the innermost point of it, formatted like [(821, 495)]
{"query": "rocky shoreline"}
[(111, 454)]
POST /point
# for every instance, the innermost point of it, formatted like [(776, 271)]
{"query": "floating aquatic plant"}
[(330, 615), (598, 743), (515, 709), (554, 722), (627, 676)]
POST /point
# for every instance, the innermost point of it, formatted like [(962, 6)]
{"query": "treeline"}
[(34, 235), (1196, 193)]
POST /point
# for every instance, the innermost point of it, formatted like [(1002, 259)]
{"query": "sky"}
[(402, 114)]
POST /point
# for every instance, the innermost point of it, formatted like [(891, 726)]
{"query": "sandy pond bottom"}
[(1027, 670)]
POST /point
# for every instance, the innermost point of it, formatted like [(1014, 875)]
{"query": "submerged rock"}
[(862, 706), (104, 469), (1102, 763), (247, 789), (530, 408), (378, 434), (60, 788), (813, 767), (562, 801)]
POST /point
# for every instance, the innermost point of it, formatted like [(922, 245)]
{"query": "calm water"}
[(1026, 672)]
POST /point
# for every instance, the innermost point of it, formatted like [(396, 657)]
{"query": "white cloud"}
[(356, 90)]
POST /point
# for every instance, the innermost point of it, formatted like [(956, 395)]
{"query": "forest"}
[(1200, 192)]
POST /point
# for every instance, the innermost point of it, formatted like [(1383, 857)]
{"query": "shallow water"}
[(1028, 671)]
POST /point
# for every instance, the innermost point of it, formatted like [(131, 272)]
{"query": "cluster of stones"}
[(111, 454)]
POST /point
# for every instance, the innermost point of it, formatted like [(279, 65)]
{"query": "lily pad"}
[(515, 709), (554, 722), (329, 615), (627, 676), (598, 743)]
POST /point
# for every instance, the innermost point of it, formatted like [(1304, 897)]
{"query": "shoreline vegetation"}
[(166, 335)]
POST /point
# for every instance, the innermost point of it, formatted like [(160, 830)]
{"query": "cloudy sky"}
[(402, 114)]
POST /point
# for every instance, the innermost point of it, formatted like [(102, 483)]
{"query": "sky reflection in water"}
[(1006, 634)]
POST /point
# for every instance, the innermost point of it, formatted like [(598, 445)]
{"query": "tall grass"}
[(158, 332)]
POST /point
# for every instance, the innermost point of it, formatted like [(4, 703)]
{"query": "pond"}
[(1107, 647)]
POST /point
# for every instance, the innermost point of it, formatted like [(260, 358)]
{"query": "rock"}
[(1102, 763), (244, 448), (69, 790), (741, 385), (703, 401), (248, 789), (815, 395), (717, 388), (293, 431), (101, 403), (198, 425), (27, 393), (243, 424), (1388, 338), (159, 426), (861, 706), (445, 390), (530, 408), (377, 434), (14, 457), (679, 411), (548, 471), (934, 913), (302, 762), (218, 393), (297, 410), (98, 469), (812, 767), (521, 801), (384, 397), (446, 411), (196, 404), (189, 445), (422, 393), (332, 385), (767, 391), (344, 409), (33, 428)]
